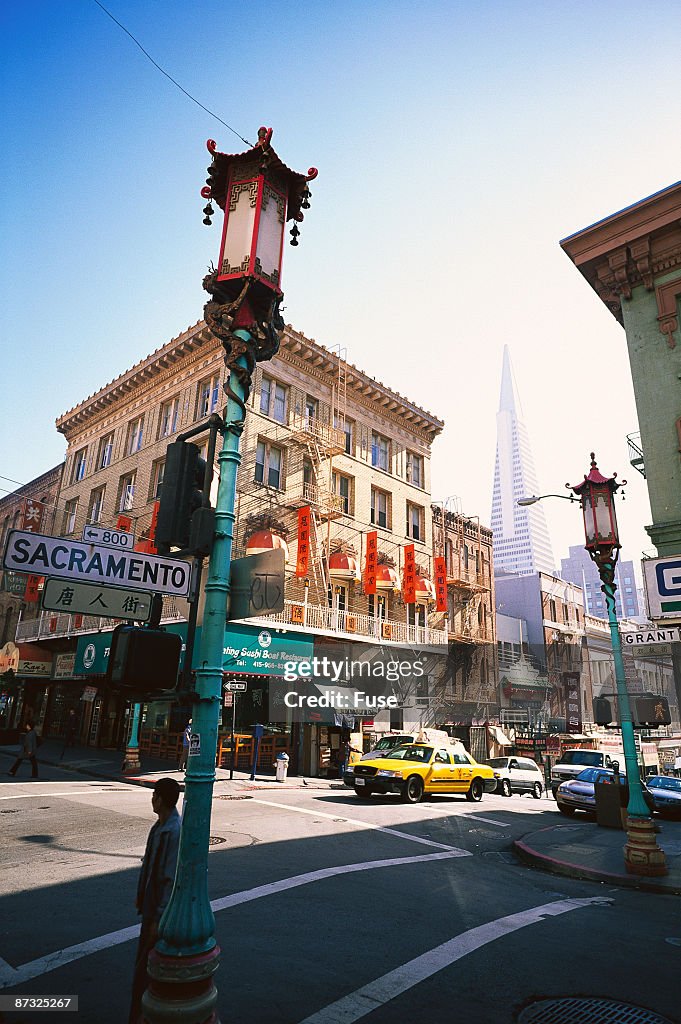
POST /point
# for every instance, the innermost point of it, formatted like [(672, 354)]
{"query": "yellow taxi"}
[(419, 768)]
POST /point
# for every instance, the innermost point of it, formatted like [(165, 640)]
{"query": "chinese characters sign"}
[(440, 585), (303, 559), (409, 576), (573, 712), (371, 563), (88, 599)]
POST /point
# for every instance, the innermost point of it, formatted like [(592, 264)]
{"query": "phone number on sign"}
[(38, 1002)]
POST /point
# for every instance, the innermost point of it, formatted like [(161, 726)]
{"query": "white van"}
[(574, 761)]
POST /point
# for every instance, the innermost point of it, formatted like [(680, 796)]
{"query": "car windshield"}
[(589, 775), (664, 782), (388, 742), (497, 762), (592, 757), (411, 753)]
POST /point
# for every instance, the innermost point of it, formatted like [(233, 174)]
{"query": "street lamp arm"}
[(540, 497)]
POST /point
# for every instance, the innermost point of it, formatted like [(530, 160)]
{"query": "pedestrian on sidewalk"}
[(155, 882), (70, 732), (185, 745), (29, 745)]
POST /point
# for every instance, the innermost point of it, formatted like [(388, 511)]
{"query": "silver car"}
[(665, 794), (517, 775)]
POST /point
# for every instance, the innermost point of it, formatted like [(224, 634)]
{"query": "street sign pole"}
[(233, 757)]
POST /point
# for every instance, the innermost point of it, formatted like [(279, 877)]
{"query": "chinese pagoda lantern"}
[(266, 540), (386, 579), (343, 568), (425, 589)]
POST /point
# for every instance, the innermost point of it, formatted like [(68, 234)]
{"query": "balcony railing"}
[(315, 617), (56, 624), (636, 453)]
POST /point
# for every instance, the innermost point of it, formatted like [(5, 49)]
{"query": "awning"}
[(499, 736), (669, 744)]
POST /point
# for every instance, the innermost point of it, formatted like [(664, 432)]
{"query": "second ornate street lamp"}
[(258, 194), (642, 856)]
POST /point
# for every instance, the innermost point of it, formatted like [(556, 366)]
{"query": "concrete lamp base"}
[(131, 762), (642, 855), (181, 989)]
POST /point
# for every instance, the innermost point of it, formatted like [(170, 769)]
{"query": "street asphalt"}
[(412, 912)]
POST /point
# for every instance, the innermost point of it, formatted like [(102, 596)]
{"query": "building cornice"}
[(630, 248)]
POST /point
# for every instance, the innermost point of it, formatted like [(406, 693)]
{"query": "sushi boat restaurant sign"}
[(26, 660)]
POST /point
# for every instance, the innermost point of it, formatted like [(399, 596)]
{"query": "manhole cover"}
[(215, 840), (588, 1011)]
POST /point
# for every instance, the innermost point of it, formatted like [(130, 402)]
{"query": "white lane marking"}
[(10, 976), (364, 824), (69, 792), (490, 821), (379, 992)]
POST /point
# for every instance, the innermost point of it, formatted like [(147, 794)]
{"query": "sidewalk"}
[(584, 850), (106, 764)]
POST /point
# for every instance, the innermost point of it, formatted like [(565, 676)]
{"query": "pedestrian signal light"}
[(144, 660), (603, 711), (651, 710)]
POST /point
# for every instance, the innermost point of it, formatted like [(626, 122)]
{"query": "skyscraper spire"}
[(521, 538)]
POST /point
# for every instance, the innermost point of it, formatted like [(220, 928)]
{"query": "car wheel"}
[(537, 791), (412, 790), (505, 787), (569, 812), (475, 791), (554, 791), (362, 792)]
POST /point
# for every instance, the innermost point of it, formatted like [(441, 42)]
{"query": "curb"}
[(555, 866)]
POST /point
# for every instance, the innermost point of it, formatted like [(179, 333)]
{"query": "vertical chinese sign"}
[(303, 558), (371, 563), (440, 585), (409, 575), (573, 707), (32, 522)]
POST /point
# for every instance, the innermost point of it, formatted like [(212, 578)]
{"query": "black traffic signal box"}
[(144, 660), (185, 518)]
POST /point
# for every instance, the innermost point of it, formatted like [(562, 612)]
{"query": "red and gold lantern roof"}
[(266, 540), (344, 567), (386, 578), (425, 589)]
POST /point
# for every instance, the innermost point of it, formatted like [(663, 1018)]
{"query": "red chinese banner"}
[(146, 544), (124, 523), (32, 592), (440, 585), (77, 621), (371, 563), (303, 558), (32, 520), (409, 575)]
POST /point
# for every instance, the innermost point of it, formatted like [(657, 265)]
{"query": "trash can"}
[(282, 767), (611, 802)]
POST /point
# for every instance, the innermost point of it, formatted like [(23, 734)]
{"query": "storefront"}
[(24, 696)]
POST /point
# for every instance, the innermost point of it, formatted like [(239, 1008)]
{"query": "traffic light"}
[(650, 710), (185, 519), (144, 660), (603, 711)]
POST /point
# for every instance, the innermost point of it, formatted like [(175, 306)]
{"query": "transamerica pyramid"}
[(520, 536)]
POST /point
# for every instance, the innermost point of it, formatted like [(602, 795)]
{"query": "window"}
[(96, 505), (135, 433), (310, 409), (342, 487), (415, 528), (70, 509), (268, 465), (380, 508), (79, 464), (158, 469), (552, 611), (380, 452), (273, 400), (416, 614), (105, 451), (422, 692), (415, 469), (378, 606), (207, 400), (348, 428), (126, 495), (168, 421)]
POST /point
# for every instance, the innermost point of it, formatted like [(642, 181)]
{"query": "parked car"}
[(580, 794), (665, 794), (418, 768), (574, 761), (517, 775)]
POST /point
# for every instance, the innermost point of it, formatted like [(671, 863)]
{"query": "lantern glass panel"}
[(602, 513), (589, 523), (236, 252), (270, 235)]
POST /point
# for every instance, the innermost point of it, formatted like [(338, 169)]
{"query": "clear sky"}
[(456, 142)]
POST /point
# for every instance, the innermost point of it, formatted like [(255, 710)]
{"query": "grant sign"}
[(75, 560)]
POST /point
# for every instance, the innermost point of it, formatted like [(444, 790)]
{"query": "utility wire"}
[(170, 77)]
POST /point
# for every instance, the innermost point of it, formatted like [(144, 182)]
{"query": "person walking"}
[(155, 882), (69, 733), (185, 746), (29, 745)]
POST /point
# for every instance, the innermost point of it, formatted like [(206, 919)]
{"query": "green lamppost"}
[(258, 194), (642, 856)]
